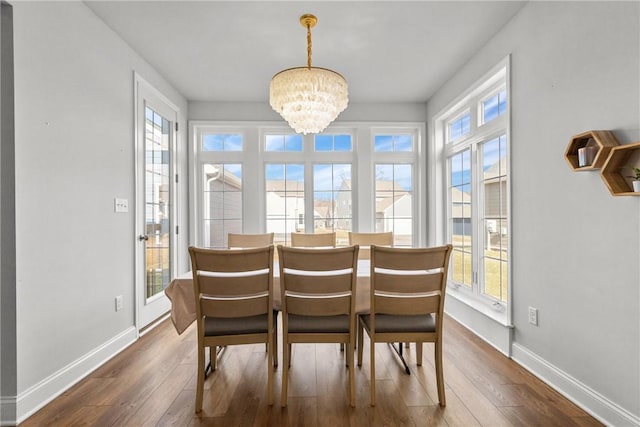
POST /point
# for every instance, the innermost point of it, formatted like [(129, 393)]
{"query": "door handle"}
[(143, 237)]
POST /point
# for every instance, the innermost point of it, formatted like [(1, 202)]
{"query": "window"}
[(332, 200), (255, 177), (394, 186), (285, 201), (477, 193), (394, 201), (222, 213)]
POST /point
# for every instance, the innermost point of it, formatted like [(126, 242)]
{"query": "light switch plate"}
[(121, 205)]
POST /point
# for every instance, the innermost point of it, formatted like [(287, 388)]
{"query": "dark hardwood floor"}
[(152, 383)]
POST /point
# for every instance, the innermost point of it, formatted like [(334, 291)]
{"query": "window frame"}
[(472, 98), (254, 158)]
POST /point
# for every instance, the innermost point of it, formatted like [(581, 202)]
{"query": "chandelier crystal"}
[(308, 98)]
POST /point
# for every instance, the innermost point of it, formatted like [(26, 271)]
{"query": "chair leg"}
[(360, 342), (439, 373), (200, 383), (352, 386), (270, 362), (372, 354), (275, 348), (286, 354), (419, 353)]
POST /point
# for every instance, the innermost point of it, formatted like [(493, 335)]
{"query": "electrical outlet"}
[(119, 303), (533, 316)]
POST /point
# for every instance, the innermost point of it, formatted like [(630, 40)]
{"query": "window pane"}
[(284, 200), (274, 143), (460, 216), (291, 143), (494, 106), (222, 202), (157, 201), (332, 199), (383, 143), (325, 142), (403, 143), (222, 142), (402, 232), (494, 190), (342, 143), (394, 201), (397, 143), (460, 126)]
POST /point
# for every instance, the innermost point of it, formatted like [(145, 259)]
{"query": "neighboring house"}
[(394, 211), (495, 202), (223, 199)]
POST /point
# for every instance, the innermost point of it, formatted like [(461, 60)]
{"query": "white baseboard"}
[(31, 400), (589, 400)]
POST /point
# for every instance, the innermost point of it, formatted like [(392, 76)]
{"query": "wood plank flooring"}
[(152, 383)]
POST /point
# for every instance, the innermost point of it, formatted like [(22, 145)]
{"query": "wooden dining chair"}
[(320, 240), (237, 240), (318, 294), (408, 287), (234, 304), (365, 240), (244, 241)]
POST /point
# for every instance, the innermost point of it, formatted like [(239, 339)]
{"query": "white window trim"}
[(361, 157), (483, 88)]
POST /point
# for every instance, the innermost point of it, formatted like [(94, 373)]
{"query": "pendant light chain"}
[(308, 45)]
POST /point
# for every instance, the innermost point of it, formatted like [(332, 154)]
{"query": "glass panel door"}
[(155, 228), (157, 203)]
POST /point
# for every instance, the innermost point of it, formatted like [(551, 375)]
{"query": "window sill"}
[(498, 314)]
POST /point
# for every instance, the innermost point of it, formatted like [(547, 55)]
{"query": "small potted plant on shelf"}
[(635, 178)]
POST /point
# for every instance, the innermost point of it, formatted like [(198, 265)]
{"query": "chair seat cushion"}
[(401, 323), (218, 326), (318, 324)]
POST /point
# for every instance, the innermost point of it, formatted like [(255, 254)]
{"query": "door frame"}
[(143, 92)]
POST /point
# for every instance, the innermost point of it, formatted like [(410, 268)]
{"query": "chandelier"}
[(308, 98)]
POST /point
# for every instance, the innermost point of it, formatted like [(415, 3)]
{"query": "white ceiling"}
[(389, 51)]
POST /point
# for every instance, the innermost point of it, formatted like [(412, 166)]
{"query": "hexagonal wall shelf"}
[(602, 140), (615, 170)]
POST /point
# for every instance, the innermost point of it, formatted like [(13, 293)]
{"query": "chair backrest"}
[(236, 240), (409, 280), (236, 283), (318, 282), (321, 240), (365, 240), (368, 239)]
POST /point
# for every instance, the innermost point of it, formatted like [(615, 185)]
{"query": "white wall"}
[(575, 66), (74, 154)]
